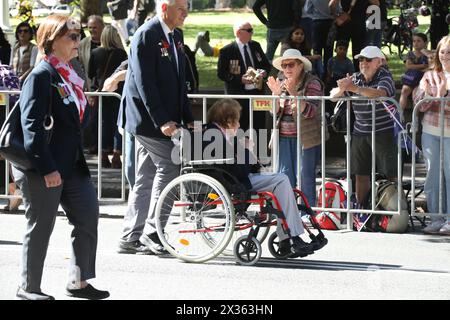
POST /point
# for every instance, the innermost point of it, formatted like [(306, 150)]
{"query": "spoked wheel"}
[(195, 217), (274, 247), (247, 251)]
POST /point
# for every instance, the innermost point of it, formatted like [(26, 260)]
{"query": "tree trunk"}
[(222, 4), (90, 7)]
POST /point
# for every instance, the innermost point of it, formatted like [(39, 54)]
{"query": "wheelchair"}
[(206, 212)]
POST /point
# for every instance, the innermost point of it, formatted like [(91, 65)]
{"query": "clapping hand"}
[(345, 84), (434, 85), (274, 85)]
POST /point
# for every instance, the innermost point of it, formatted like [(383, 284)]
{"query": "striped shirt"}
[(382, 80), (288, 124)]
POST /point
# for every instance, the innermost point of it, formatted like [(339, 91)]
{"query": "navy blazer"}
[(154, 92), (233, 82), (65, 149)]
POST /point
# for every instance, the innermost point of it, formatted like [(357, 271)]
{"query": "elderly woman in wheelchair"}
[(220, 198)]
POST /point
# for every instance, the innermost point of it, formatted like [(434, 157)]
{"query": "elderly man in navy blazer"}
[(154, 102), (234, 60)]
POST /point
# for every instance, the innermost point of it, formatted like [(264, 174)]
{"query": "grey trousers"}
[(279, 185), (154, 170), (78, 198)]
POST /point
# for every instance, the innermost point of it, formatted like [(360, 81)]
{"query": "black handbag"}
[(339, 118), (11, 137)]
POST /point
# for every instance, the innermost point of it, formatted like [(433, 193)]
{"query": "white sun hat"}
[(371, 52), (290, 54)]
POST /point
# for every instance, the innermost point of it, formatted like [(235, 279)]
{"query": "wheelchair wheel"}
[(247, 252), (237, 234), (274, 247), (195, 217)]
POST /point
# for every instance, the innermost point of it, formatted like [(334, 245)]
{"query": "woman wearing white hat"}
[(298, 82)]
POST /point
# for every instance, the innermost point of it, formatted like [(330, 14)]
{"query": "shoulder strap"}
[(107, 65)]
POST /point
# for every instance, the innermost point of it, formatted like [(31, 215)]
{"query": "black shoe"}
[(301, 248), (134, 247), (88, 292), (284, 248), (25, 295), (153, 243)]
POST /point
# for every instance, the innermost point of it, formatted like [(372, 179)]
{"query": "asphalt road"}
[(352, 266)]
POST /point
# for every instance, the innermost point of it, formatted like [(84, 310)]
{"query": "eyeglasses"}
[(249, 30), (290, 65), (23, 31), (362, 59), (75, 37)]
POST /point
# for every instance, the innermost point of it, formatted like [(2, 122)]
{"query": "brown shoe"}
[(116, 163), (105, 161)]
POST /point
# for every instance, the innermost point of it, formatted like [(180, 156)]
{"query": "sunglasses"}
[(249, 30), (362, 59), (23, 31), (74, 37), (290, 65)]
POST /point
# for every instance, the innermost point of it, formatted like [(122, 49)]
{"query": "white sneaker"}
[(434, 227), (445, 229)]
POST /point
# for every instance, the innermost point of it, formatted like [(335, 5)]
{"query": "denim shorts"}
[(385, 154)]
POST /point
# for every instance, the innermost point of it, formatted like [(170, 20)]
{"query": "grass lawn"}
[(220, 26)]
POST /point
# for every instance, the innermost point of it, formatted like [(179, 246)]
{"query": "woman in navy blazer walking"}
[(60, 174)]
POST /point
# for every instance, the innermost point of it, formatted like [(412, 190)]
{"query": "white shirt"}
[(167, 30), (241, 50)]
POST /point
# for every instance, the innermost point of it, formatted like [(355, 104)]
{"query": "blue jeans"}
[(129, 158), (287, 164), (430, 147), (274, 37)]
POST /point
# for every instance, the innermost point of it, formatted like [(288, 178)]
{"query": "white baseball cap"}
[(371, 52)]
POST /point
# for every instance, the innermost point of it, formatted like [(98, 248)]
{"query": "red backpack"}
[(335, 197)]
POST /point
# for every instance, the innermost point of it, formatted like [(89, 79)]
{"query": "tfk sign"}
[(374, 17)]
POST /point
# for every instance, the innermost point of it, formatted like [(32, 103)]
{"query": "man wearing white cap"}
[(374, 80)]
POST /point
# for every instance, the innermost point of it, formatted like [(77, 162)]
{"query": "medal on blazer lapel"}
[(164, 48), (64, 93)]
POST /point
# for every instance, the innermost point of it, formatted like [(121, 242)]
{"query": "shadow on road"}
[(10, 243), (330, 265)]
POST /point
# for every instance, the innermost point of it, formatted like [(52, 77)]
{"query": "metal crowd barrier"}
[(7, 93), (270, 106), (414, 128)]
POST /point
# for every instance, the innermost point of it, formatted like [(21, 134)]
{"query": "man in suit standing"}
[(154, 102), (234, 60)]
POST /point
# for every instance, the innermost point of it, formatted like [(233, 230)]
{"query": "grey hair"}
[(97, 18), (159, 4)]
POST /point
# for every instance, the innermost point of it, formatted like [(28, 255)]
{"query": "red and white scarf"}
[(66, 71)]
